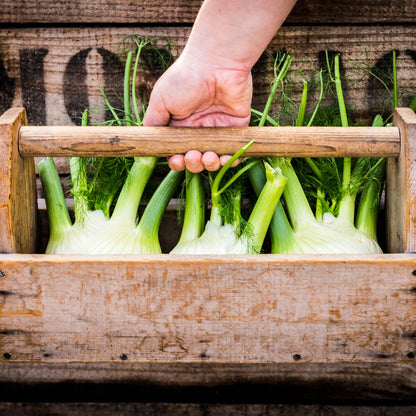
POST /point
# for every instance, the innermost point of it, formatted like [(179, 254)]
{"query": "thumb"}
[(156, 113)]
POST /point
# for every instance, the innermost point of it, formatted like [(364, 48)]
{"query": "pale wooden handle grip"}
[(166, 141)]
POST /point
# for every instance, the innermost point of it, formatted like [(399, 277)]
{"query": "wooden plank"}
[(209, 309), (197, 409), (166, 141), (248, 383), (400, 188), (18, 188), (55, 73), (184, 12), (352, 11)]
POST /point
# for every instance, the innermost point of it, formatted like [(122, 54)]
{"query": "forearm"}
[(234, 33)]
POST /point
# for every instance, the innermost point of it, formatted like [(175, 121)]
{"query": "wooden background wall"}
[(54, 56)]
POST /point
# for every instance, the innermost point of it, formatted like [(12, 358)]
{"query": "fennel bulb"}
[(93, 232), (223, 233), (216, 239), (66, 237), (333, 184), (124, 234)]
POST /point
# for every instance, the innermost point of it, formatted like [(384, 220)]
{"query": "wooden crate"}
[(54, 56), (265, 321)]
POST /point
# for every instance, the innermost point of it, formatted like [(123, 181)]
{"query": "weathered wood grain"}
[(379, 380), (184, 12), (210, 309), (400, 188), (17, 188), (198, 409), (55, 73), (352, 11), (167, 141), (249, 383)]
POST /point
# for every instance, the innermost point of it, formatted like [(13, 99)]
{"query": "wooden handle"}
[(166, 141)]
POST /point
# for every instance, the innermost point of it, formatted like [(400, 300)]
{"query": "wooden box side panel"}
[(169, 309), (401, 188), (18, 209)]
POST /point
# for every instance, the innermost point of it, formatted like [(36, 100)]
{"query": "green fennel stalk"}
[(194, 216)]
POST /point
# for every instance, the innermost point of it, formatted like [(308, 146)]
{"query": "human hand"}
[(195, 93)]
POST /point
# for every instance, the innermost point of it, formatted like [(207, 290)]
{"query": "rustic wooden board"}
[(210, 309), (197, 409), (56, 72), (247, 383), (184, 12)]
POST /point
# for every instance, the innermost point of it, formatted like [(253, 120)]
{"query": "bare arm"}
[(210, 83), (233, 33)]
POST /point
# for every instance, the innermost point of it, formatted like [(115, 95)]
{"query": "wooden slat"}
[(165, 141), (17, 189), (184, 12), (401, 186), (210, 309), (347, 380), (55, 73), (198, 409), (352, 11), (248, 383)]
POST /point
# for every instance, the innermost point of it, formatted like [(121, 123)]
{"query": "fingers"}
[(193, 161), (177, 162), (196, 162), (225, 158), (211, 161)]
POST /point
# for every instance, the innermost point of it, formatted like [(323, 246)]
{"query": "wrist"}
[(206, 60), (233, 34)]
